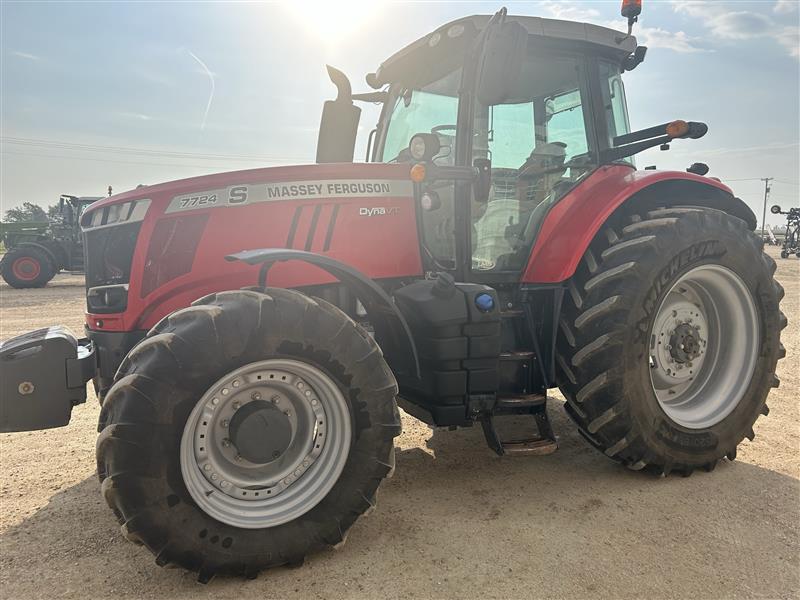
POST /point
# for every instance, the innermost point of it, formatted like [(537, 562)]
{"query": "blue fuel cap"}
[(484, 302)]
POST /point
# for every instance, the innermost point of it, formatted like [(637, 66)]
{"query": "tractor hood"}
[(157, 248)]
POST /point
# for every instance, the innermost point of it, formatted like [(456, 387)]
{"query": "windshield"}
[(430, 108)]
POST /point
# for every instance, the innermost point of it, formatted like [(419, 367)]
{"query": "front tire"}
[(27, 267), (654, 277), (187, 480)]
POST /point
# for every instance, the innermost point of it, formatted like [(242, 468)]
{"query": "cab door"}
[(539, 145)]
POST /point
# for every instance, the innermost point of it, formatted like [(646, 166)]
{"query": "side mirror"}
[(775, 209), (483, 182), (500, 62), (339, 125)]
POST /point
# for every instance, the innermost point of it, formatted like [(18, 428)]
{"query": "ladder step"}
[(532, 447), (521, 400), (536, 445)]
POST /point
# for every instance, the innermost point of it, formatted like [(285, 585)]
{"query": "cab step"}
[(516, 405), (520, 401)]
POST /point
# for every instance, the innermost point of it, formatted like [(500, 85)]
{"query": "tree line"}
[(29, 212)]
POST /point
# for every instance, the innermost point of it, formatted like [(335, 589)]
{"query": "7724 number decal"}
[(191, 201)]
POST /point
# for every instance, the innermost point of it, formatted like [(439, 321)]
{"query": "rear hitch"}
[(43, 374)]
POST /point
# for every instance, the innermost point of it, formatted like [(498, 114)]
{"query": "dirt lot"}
[(455, 521)]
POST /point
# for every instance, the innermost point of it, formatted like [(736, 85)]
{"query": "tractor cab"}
[(527, 106), (537, 112), (71, 208)]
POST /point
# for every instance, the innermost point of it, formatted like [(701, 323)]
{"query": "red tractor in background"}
[(251, 334)]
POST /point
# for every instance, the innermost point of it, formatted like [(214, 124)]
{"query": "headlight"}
[(107, 298)]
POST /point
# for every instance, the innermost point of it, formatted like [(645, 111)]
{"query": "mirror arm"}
[(611, 154), (435, 172), (371, 97)]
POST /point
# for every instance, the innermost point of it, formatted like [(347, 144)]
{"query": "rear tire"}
[(608, 334), (27, 267), (141, 462)]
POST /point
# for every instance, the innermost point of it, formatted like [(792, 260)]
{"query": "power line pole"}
[(766, 181)]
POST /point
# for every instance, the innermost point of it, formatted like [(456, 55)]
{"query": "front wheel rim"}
[(26, 268), (311, 437), (704, 346)]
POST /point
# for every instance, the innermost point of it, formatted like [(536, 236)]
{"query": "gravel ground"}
[(454, 522)]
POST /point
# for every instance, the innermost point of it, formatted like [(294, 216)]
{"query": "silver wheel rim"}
[(236, 491), (704, 346)]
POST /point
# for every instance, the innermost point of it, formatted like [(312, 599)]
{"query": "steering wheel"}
[(439, 128)]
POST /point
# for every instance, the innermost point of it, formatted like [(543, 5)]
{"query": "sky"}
[(94, 94)]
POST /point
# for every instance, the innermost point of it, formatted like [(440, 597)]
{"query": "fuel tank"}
[(157, 248)]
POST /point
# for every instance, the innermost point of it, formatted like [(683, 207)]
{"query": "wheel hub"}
[(237, 440), (265, 443), (678, 343), (686, 343), (260, 432)]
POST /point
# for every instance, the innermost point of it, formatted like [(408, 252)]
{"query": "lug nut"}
[(238, 457), (224, 423), (236, 406), (226, 443), (256, 395), (276, 399)]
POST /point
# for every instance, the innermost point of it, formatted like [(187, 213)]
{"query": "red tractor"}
[(251, 334)]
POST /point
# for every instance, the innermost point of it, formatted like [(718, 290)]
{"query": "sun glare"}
[(333, 20)]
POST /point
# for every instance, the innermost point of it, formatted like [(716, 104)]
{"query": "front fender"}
[(391, 328), (572, 223)]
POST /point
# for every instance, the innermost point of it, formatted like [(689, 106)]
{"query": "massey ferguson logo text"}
[(330, 189), (378, 211)]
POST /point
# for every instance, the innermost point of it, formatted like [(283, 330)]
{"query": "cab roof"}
[(609, 40)]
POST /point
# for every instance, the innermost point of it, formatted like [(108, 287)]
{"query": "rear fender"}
[(391, 329), (573, 222)]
